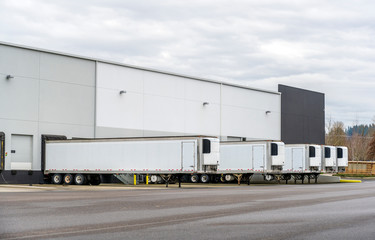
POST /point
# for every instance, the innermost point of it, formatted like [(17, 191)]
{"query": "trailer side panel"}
[(118, 156)]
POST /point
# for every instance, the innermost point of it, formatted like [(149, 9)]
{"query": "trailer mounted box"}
[(342, 158), (315, 156), (329, 159)]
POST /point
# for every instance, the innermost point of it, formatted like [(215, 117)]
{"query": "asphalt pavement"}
[(310, 211)]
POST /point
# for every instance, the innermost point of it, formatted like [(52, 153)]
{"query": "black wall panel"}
[(302, 116)]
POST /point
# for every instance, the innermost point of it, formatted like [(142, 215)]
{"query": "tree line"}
[(360, 140)]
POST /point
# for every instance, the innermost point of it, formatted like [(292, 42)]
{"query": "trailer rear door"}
[(188, 156), (258, 157), (288, 166), (298, 158)]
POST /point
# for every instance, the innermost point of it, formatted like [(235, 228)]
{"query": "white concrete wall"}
[(49, 94), (244, 113), (162, 104), (154, 103)]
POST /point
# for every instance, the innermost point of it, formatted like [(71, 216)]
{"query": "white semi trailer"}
[(342, 158), (240, 160), (302, 160), (164, 158)]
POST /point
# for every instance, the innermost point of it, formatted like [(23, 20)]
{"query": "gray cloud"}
[(319, 45)]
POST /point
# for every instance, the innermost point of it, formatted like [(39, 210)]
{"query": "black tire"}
[(205, 178), (56, 178), (194, 178), (216, 179), (269, 177), (154, 178), (95, 180), (185, 178), (229, 178), (79, 179), (68, 179)]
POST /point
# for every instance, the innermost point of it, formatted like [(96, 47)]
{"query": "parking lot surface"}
[(310, 211)]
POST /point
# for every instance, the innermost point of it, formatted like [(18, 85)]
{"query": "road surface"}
[(314, 211)]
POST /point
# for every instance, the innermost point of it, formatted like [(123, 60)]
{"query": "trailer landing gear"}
[(302, 176), (313, 176), (167, 178), (286, 177), (238, 177), (299, 177), (278, 178), (244, 177)]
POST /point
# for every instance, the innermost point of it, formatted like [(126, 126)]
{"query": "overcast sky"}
[(320, 45)]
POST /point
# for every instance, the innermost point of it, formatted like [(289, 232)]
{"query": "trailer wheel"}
[(68, 179), (216, 179), (56, 178), (95, 180), (205, 178), (222, 179), (269, 177), (185, 178), (156, 179), (194, 178), (79, 179), (153, 178), (229, 177)]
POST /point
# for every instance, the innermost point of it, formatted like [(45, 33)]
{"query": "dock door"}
[(2, 151), (188, 156), (21, 152)]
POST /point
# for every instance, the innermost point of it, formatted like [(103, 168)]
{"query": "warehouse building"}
[(49, 95), (44, 94)]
